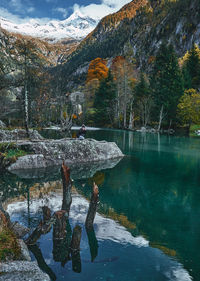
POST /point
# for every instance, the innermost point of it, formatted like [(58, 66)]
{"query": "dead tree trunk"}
[(67, 185), (41, 261), (92, 208), (43, 227), (93, 243), (59, 228), (161, 117), (61, 237), (75, 249)]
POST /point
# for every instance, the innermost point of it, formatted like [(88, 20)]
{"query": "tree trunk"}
[(75, 249), (131, 118), (93, 243), (92, 208), (26, 97), (67, 185), (41, 261), (160, 118), (43, 227)]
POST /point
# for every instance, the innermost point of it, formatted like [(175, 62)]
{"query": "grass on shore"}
[(9, 247), (194, 128), (10, 150)]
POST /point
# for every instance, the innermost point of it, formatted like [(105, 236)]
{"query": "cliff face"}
[(175, 22)]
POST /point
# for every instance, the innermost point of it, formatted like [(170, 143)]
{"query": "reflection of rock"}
[(22, 270), (85, 170), (49, 153)]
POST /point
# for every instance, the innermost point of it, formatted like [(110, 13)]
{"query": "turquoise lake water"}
[(148, 224)]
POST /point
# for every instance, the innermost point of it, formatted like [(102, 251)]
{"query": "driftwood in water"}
[(41, 261), (92, 208), (43, 227), (75, 249), (67, 185)]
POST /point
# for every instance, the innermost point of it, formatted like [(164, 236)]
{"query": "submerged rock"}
[(48, 153), (22, 271)]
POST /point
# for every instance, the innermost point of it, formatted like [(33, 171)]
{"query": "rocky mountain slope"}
[(77, 26), (12, 56), (140, 27)]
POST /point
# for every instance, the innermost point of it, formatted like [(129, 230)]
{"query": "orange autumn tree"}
[(97, 69), (96, 72)]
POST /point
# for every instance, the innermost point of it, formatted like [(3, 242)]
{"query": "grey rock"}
[(48, 153), (2, 124), (18, 134), (19, 229), (25, 256), (22, 271)]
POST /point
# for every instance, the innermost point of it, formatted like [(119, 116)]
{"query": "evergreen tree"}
[(104, 102), (192, 68), (142, 87), (166, 83), (143, 99)]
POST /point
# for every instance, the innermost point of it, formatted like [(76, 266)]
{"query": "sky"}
[(20, 11)]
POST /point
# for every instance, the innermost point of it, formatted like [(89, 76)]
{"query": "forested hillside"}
[(139, 28)]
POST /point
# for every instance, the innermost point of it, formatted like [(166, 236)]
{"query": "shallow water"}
[(148, 223)]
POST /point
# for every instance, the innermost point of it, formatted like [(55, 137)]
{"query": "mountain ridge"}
[(140, 26), (77, 26)]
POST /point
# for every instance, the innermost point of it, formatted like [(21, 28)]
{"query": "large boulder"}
[(22, 271), (49, 153), (18, 134)]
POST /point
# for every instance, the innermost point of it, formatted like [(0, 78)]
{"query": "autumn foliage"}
[(97, 69)]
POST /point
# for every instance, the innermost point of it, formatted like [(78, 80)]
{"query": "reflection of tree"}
[(66, 245), (39, 257), (89, 223)]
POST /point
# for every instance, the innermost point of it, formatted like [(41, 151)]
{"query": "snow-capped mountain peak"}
[(77, 26)]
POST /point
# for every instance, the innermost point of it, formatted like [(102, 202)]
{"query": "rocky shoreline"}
[(18, 266)]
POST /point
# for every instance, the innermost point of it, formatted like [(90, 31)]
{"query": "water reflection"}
[(66, 244), (151, 203)]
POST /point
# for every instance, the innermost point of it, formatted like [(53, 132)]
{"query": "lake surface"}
[(148, 222)]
